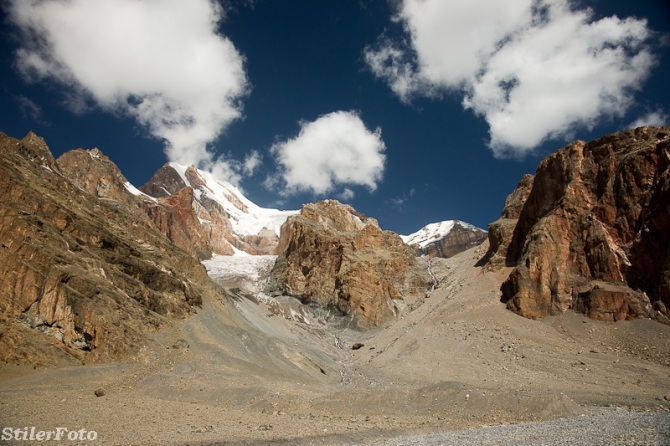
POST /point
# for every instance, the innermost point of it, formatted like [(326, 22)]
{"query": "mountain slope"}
[(78, 272), (232, 221), (445, 239)]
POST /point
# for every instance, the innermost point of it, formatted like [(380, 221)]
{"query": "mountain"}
[(347, 335), (339, 259), (591, 231), (231, 221), (445, 239), (83, 275)]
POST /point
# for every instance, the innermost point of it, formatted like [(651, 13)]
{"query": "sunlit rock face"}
[(335, 257), (82, 268), (592, 233)]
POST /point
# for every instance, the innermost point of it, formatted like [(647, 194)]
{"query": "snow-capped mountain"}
[(445, 238), (232, 222), (246, 217)]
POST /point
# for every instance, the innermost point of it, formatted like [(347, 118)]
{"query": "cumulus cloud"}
[(655, 118), (251, 162), (534, 69), (346, 195), (161, 62), (336, 149)]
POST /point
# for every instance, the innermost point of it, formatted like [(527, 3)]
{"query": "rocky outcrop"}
[(341, 260), (225, 217), (174, 215), (445, 239), (77, 269), (501, 231), (593, 234)]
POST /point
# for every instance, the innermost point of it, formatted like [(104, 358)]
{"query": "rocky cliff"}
[(226, 218), (174, 216), (501, 231), (341, 260), (593, 232), (445, 239), (79, 270)]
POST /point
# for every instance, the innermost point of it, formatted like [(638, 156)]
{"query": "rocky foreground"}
[(241, 373)]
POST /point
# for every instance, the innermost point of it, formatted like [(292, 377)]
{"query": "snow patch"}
[(135, 191)]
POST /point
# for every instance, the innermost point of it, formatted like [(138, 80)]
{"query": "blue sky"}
[(413, 111)]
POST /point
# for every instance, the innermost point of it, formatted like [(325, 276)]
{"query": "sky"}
[(412, 111)]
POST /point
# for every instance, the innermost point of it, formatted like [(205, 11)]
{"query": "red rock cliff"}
[(593, 233)]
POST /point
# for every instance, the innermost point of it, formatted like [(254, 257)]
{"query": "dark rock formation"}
[(341, 260), (501, 231), (77, 271), (593, 233)]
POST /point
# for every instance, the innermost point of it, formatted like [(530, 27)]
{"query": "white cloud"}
[(534, 69), (655, 118), (336, 149), (251, 162), (158, 61), (346, 195)]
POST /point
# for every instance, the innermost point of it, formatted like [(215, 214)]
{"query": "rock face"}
[(341, 260), (79, 269), (593, 233), (225, 218), (445, 239), (501, 231), (174, 216)]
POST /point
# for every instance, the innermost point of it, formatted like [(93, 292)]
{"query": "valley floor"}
[(255, 370)]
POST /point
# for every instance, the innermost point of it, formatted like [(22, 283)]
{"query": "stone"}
[(340, 260), (180, 344), (100, 392), (79, 270), (593, 233)]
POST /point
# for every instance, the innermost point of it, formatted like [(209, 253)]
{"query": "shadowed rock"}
[(78, 267)]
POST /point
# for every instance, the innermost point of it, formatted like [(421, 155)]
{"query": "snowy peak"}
[(233, 222), (445, 238), (246, 217)]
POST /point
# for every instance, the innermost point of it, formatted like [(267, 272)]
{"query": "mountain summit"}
[(231, 221), (445, 239)]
